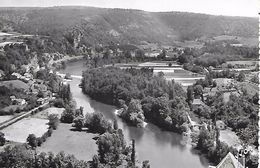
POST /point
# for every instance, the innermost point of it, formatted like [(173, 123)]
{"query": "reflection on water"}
[(162, 148)]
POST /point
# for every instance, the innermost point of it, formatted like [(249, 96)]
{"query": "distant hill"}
[(89, 25)]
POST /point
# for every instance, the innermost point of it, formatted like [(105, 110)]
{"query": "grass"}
[(14, 84), (80, 144), (229, 137), (19, 131), (5, 118)]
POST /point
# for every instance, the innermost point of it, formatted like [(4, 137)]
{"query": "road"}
[(13, 120)]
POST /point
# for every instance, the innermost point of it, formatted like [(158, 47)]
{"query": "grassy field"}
[(19, 131), (5, 118), (229, 137), (15, 84), (80, 144)]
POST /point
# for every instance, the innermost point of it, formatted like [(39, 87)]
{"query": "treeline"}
[(139, 93), (214, 54), (112, 152)]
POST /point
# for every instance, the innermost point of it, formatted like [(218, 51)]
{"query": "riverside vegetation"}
[(140, 94)]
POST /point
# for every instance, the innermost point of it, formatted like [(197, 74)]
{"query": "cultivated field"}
[(80, 144), (19, 131)]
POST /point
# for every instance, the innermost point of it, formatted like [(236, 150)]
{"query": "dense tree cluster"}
[(22, 156), (96, 122), (215, 150), (162, 102), (209, 144), (219, 48), (255, 79), (133, 113), (240, 113), (13, 57)]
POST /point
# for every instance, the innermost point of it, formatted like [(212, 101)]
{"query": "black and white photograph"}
[(129, 83)]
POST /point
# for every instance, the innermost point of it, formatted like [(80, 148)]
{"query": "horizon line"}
[(166, 11)]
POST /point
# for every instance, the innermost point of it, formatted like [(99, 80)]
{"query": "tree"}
[(133, 153), (185, 58), (190, 94), (96, 122), (110, 147), (214, 83), (2, 139), (32, 140), (95, 162), (205, 141), (53, 121), (241, 77), (79, 112), (162, 55), (134, 113), (256, 98), (140, 54), (146, 164), (67, 115), (79, 122), (198, 91), (115, 125)]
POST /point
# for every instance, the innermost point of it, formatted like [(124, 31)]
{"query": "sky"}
[(216, 7)]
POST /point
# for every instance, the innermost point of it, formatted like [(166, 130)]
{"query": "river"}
[(163, 149)]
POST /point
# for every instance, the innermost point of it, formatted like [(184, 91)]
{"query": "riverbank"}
[(61, 63)]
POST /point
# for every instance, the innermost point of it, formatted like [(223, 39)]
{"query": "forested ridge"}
[(99, 25)]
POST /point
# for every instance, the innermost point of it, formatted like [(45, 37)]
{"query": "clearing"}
[(19, 131), (80, 144), (230, 138)]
